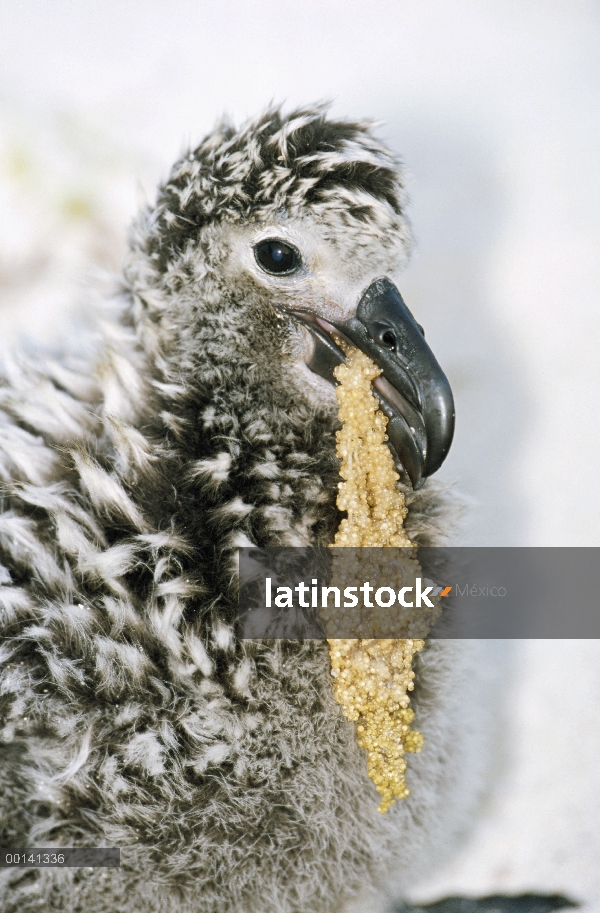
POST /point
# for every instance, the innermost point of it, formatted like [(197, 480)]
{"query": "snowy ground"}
[(494, 107)]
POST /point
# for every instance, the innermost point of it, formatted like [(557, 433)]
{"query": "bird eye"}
[(277, 257)]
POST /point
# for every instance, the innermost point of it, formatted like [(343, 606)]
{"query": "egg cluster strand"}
[(372, 677)]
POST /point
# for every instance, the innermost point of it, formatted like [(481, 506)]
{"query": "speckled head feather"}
[(273, 169), (129, 713), (272, 164)]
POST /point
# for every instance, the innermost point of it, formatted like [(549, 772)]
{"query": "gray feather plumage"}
[(129, 714)]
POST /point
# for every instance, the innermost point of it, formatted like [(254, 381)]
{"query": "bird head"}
[(271, 245)]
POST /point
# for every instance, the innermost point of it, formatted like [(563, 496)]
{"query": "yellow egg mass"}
[(372, 677)]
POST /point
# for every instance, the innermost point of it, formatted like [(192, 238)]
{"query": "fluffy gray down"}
[(130, 716)]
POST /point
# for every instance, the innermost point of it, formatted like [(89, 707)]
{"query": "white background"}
[(495, 107)]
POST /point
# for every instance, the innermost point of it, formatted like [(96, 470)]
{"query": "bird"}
[(204, 421)]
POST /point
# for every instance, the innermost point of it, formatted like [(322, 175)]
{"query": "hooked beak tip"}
[(412, 389)]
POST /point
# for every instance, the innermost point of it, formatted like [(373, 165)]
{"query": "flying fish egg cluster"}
[(372, 677)]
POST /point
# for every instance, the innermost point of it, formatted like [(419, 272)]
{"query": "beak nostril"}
[(389, 340)]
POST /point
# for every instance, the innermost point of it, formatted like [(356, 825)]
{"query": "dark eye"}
[(277, 257)]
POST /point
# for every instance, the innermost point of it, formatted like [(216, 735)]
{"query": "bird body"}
[(130, 713)]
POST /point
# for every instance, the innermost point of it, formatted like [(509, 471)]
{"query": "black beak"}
[(413, 390)]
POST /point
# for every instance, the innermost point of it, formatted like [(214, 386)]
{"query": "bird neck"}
[(244, 457)]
